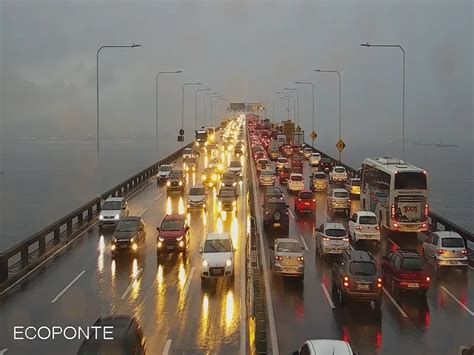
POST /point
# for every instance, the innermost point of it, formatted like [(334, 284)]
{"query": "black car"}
[(273, 192), (123, 335), (275, 215), (176, 182), (129, 236), (325, 164), (229, 179), (356, 277)]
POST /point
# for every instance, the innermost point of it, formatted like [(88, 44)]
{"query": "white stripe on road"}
[(127, 291), (325, 290), (143, 211), (67, 287), (304, 243), (188, 281), (158, 197), (166, 348), (458, 301), (351, 247), (291, 214), (400, 309), (327, 217)]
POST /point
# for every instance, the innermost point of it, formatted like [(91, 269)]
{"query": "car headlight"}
[(228, 262), (117, 216), (101, 217), (161, 239), (222, 184), (234, 203), (112, 247), (180, 183), (234, 184), (168, 183), (134, 246), (114, 240), (205, 263), (214, 177), (179, 238), (204, 205)]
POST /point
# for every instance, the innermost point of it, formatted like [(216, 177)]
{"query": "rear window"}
[(410, 180), (368, 220), (362, 268), (321, 176), (452, 243), (296, 178), (335, 233), (339, 170), (289, 247), (276, 206), (317, 155), (341, 194), (412, 264), (306, 195), (355, 182), (197, 191), (267, 172), (235, 164), (282, 160)]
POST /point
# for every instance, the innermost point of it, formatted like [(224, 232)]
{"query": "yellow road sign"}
[(340, 145), (313, 135)]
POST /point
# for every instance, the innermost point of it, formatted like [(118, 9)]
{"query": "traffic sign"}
[(181, 132), (340, 145), (313, 135), (180, 138)]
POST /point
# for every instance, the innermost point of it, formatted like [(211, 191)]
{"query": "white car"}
[(267, 178), (164, 172), (363, 225), (295, 183), (307, 151), (314, 159), (445, 249), (113, 209), (338, 174), (330, 238), (325, 347), (235, 167), (217, 256), (286, 257), (197, 197), (188, 153)]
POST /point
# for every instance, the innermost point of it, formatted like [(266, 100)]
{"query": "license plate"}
[(413, 285), (276, 224), (363, 287), (170, 247), (306, 203)]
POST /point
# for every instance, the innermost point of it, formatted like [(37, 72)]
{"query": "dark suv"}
[(325, 164), (356, 277), (176, 182), (126, 337), (275, 215)]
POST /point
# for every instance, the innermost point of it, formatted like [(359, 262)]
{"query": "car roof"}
[(447, 234), (366, 213), (330, 347), (120, 323), (165, 165), (120, 199), (174, 217), (216, 236), (290, 240), (339, 166), (338, 190), (316, 153), (333, 226), (359, 255)]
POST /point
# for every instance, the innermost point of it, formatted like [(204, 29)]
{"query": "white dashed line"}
[(188, 281), (67, 287), (304, 243), (327, 217), (166, 348), (158, 197), (126, 292), (458, 301), (325, 290), (291, 214), (400, 309), (143, 211)]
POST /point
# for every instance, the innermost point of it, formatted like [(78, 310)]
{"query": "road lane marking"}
[(166, 348), (400, 309), (304, 243), (3, 351), (327, 216), (68, 286), (158, 197), (291, 214), (188, 281), (325, 290), (129, 288), (458, 301), (143, 211)]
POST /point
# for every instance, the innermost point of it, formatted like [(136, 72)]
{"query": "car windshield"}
[(362, 268), (267, 172), (172, 225), (112, 205), (288, 247), (367, 220), (228, 176), (197, 191), (165, 168), (226, 193), (235, 164), (326, 160), (127, 226), (187, 151), (340, 170), (339, 233), (296, 178), (217, 246), (412, 264), (341, 194), (452, 243), (306, 195)]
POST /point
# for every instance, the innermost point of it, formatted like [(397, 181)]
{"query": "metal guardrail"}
[(17, 261), (436, 222)]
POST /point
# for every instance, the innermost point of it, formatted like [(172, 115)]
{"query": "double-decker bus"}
[(397, 192)]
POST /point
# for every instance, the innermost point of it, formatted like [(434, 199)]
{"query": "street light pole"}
[(156, 103), (403, 86), (340, 99), (133, 45), (182, 105), (205, 114), (298, 102), (213, 97), (287, 97), (195, 107), (312, 86)]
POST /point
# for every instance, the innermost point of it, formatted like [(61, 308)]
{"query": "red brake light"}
[(379, 283), (441, 251), (464, 252), (427, 210), (392, 211), (428, 278), (300, 258), (299, 200), (346, 278), (377, 227)]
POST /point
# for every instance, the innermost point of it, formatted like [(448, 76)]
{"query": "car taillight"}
[(359, 228), (299, 200), (441, 251), (278, 257), (379, 283), (348, 200), (333, 200), (314, 200), (377, 227), (427, 210), (428, 279), (346, 281), (464, 252), (326, 239)]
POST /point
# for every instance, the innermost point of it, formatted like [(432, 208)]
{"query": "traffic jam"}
[(359, 243)]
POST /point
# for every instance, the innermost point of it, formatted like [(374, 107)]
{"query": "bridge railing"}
[(28, 255), (436, 221)]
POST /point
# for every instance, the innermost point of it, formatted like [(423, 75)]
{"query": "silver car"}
[(267, 178), (287, 258), (331, 238), (338, 200), (197, 197), (445, 249)]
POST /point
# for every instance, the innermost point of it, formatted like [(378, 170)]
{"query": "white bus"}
[(397, 192)]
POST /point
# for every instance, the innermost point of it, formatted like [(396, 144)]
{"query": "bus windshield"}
[(410, 180)]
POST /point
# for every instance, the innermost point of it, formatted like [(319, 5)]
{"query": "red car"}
[(286, 150), (297, 163), (259, 155), (173, 234), (405, 270), (283, 175), (305, 202)]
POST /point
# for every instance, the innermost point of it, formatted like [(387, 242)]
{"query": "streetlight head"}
[(365, 44), (297, 82), (178, 71), (318, 70), (135, 45)]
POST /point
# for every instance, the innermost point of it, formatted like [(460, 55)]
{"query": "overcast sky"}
[(245, 51)]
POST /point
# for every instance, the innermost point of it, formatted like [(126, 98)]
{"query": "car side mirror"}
[(158, 229)]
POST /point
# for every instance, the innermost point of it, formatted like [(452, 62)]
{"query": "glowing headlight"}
[(112, 247), (204, 205), (228, 262), (134, 247), (179, 238), (132, 240), (168, 183), (161, 239), (234, 183), (180, 183), (160, 244), (203, 177), (205, 263), (234, 203), (101, 217), (117, 216), (197, 144)]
